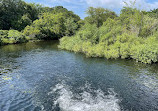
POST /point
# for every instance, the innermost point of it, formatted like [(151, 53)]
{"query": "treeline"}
[(131, 35), (21, 22)]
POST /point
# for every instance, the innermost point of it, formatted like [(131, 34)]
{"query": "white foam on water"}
[(68, 101)]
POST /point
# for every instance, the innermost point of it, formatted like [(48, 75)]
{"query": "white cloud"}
[(105, 3), (110, 4), (79, 6), (115, 4), (76, 2), (143, 4)]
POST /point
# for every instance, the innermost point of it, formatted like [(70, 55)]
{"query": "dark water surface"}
[(40, 77)]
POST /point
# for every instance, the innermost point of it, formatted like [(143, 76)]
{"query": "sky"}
[(79, 6)]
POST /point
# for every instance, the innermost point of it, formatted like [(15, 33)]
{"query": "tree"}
[(70, 27), (52, 26), (98, 15), (152, 13), (132, 19), (13, 14)]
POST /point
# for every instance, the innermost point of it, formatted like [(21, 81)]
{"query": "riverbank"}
[(12, 37), (8, 37), (131, 35), (146, 53), (35, 22)]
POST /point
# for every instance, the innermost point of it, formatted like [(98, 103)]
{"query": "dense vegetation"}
[(16, 14), (12, 37), (132, 34), (21, 22), (54, 24)]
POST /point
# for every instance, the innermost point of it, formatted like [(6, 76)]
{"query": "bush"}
[(3, 34), (18, 36), (52, 26), (131, 35), (12, 37)]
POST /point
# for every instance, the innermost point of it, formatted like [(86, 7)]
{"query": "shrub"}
[(11, 37), (131, 35), (3, 34)]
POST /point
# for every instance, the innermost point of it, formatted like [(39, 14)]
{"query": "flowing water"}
[(38, 76)]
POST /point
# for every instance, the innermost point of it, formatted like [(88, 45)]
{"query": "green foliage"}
[(17, 14), (23, 22), (131, 35), (3, 34), (152, 13), (47, 27), (52, 26), (98, 15), (11, 37), (81, 23), (35, 21), (147, 52), (70, 27), (16, 36)]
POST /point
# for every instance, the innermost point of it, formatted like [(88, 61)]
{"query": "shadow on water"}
[(38, 76)]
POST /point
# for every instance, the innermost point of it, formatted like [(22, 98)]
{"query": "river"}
[(37, 76)]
